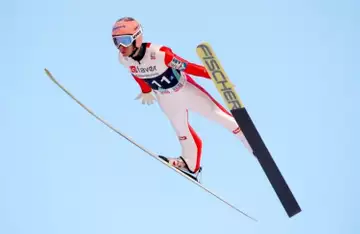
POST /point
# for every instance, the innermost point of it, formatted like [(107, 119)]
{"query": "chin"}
[(125, 54)]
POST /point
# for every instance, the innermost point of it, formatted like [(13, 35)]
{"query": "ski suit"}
[(168, 76)]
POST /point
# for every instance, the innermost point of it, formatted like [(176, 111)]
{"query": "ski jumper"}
[(168, 76)]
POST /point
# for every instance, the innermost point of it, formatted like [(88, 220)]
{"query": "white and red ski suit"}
[(168, 76)]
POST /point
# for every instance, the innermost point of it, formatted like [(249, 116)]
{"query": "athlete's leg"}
[(203, 103), (191, 144)]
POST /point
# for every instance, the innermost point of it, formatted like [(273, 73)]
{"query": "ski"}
[(160, 158), (238, 110)]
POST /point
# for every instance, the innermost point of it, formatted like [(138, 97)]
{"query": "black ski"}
[(234, 104)]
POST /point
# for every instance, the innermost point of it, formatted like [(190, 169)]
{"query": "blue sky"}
[(295, 65)]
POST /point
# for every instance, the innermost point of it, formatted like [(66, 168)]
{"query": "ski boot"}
[(180, 164)]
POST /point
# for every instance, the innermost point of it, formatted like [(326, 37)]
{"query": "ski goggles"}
[(126, 40)]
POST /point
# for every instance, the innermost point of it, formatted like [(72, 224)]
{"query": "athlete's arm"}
[(145, 88), (175, 61)]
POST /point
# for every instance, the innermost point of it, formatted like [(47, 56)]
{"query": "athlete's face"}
[(126, 51)]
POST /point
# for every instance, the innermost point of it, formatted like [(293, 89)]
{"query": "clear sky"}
[(295, 65)]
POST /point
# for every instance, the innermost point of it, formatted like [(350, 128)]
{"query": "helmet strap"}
[(134, 50)]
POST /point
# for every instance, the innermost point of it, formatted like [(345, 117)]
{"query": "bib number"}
[(163, 80), (166, 81)]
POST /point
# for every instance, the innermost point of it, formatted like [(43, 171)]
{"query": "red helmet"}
[(127, 31)]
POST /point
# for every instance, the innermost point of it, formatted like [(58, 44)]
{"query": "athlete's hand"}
[(147, 98)]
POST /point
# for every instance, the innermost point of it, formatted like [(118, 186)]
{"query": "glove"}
[(147, 98)]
